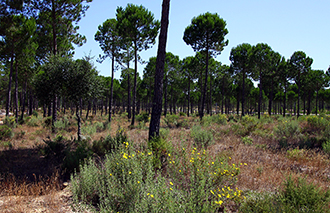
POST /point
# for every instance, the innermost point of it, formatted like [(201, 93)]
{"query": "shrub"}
[(317, 123), (171, 120), (10, 122), (60, 125), (288, 129), (247, 140), (5, 132), (88, 129), (201, 137), (110, 144), (183, 114), (99, 126), (74, 156), (296, 196), (125, 183), (35, 113), (33, 122), (296, 154), (203, 181), (326, 147), (143, 117), (164, 133), (159, 147), (48, 121)]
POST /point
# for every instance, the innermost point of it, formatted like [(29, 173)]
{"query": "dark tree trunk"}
[(243, 94), (54, 112), (88, 108), (206, 76), (134, 87), (284, 102), (165, 96), (24, 101), (44, 109), (79, 122), (16, 93), (30, 102), (260, 96), (270, 97), (129, 95), (9, 83), (159, 76), (111, 87), (188, 96), (210, 96), (316, 102)]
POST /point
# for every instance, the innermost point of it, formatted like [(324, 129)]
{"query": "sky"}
[(285, 25)]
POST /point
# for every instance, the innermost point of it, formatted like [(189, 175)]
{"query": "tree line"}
[(36, 49)]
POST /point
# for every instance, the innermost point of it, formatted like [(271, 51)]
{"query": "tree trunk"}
[(206, 76), (9, 83), (111, 87), (165, 96), (79, 122), (54, 112), (16, 93), (134, 88), (243, 94), (188, 95), (128, 93), (260, 95), (24, 100), (159, 76)]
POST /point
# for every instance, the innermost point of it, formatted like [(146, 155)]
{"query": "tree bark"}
[(16, 93), (134, 88), (159, 76), (9, 83)]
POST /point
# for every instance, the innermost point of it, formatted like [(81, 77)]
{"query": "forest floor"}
[(31, 182)]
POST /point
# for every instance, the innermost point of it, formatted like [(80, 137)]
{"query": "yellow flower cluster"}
[(226, 193)]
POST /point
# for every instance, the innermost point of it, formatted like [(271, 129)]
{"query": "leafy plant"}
[(143, 117), (5, 132), (171, 120), (110, 144), (326, 147), (201, 137), (247, 140)]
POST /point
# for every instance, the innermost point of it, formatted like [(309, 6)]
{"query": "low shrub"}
[(288, 129), (171, 120), (33, 122), (296, 196), (143, 117), (201, 137), (5, 132), (127, 182), (110, 144), (326, 147), (10, 122), (247, 140)]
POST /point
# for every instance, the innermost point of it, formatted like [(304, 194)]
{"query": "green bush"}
[(143, 117), (159, 147), (203, 181), (62, 124), (317, 123), (75, 156), (288, 129), (5, 132), (326, 147), (296, 196), (110, 144), (201, 137), (247, 140), (171, 120), (33, 122), (182, 114), (35, 113), (125, 183), (10, 122), (88, 129), (48, 121), (99, 126)]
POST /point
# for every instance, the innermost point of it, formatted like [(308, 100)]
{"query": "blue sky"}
[(286, 25)]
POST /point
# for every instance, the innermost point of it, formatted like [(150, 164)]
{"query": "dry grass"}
[(267, 167)]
